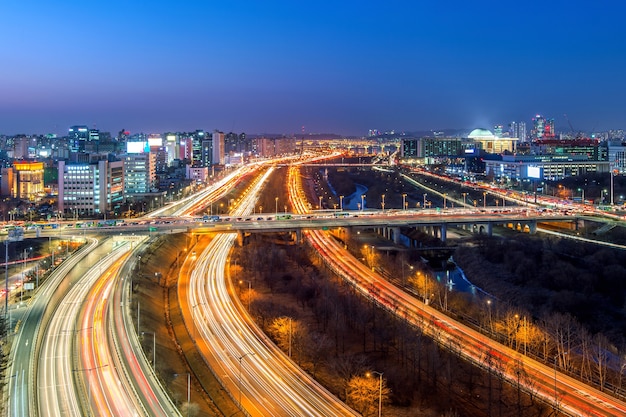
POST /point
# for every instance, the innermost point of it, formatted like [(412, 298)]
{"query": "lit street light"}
[(340, 203), (276, 208), (404, 201), (383, 202), (241, 281), (362, 201), (380, 391), (424, 206)]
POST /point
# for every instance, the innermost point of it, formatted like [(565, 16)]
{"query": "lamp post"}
[(241, 281), (89, 385), (23, 272), (556, 405), (340, 203), (424, 206), (240, 359), (404, 201), (188, 390), (276, 206), (362, 202), (383, 202), (445, 195), (153, 348), (582, 195), (380, 392), (194, 321), (484, 199), (320, 197)]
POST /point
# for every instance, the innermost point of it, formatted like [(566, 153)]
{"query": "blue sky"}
[(330, 66)]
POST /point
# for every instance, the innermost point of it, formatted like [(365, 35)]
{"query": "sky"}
[(319, 66)]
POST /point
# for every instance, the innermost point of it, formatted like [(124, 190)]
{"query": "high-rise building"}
[(542, 128), (206, 154), (218, 148), (139, 174), (518, 130), (196, 146), (77, 136), (497, 131)]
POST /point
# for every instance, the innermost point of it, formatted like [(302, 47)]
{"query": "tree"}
[(364, 394), (289, 335)]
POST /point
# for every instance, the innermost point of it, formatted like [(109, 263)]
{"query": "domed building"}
[(491, 143), (481, 133)]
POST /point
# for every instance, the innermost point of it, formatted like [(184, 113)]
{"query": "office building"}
[(87, 189)]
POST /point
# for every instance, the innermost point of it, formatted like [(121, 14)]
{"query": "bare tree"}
[(602, 351), (364, 393)]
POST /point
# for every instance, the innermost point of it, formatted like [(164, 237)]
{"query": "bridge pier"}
[(443, 230), (240, 236), (532, 227), (395, 231), (296, 235)]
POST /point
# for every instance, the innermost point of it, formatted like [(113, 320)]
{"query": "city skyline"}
[(342, 67)]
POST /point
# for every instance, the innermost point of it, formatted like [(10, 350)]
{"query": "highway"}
[(23, 364), (566, 394), (255, 372), (58, 368)]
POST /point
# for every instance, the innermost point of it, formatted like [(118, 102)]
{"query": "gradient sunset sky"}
[(330, 66)]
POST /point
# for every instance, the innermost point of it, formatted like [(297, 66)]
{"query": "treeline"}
[(338, 336), (570, 295)]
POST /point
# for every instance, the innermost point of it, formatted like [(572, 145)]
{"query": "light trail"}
[(565, 393), (57, 369), (248, 364)]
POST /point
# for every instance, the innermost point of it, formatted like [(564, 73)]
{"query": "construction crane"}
[(577, 135)]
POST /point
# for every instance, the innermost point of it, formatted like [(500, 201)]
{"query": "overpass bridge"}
[(388, 224)]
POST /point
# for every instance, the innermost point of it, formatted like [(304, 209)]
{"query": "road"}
[(565, 393), (257, 374), (58, 369), (23, 366)]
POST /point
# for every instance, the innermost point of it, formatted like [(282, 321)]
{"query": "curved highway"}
[(257, 374), (565, 393)]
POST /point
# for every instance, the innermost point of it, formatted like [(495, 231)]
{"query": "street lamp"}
[(241, 281), (188, 390), (89, 385), (362, 202), (484, 199), (444, 199), (320, 197), (582, 195), (340, 203), (276, 208), (240, 359), (380, 391), (404, 201), (464, 198), (383, 202), (153, 348), (424, 206), (23, 266)]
